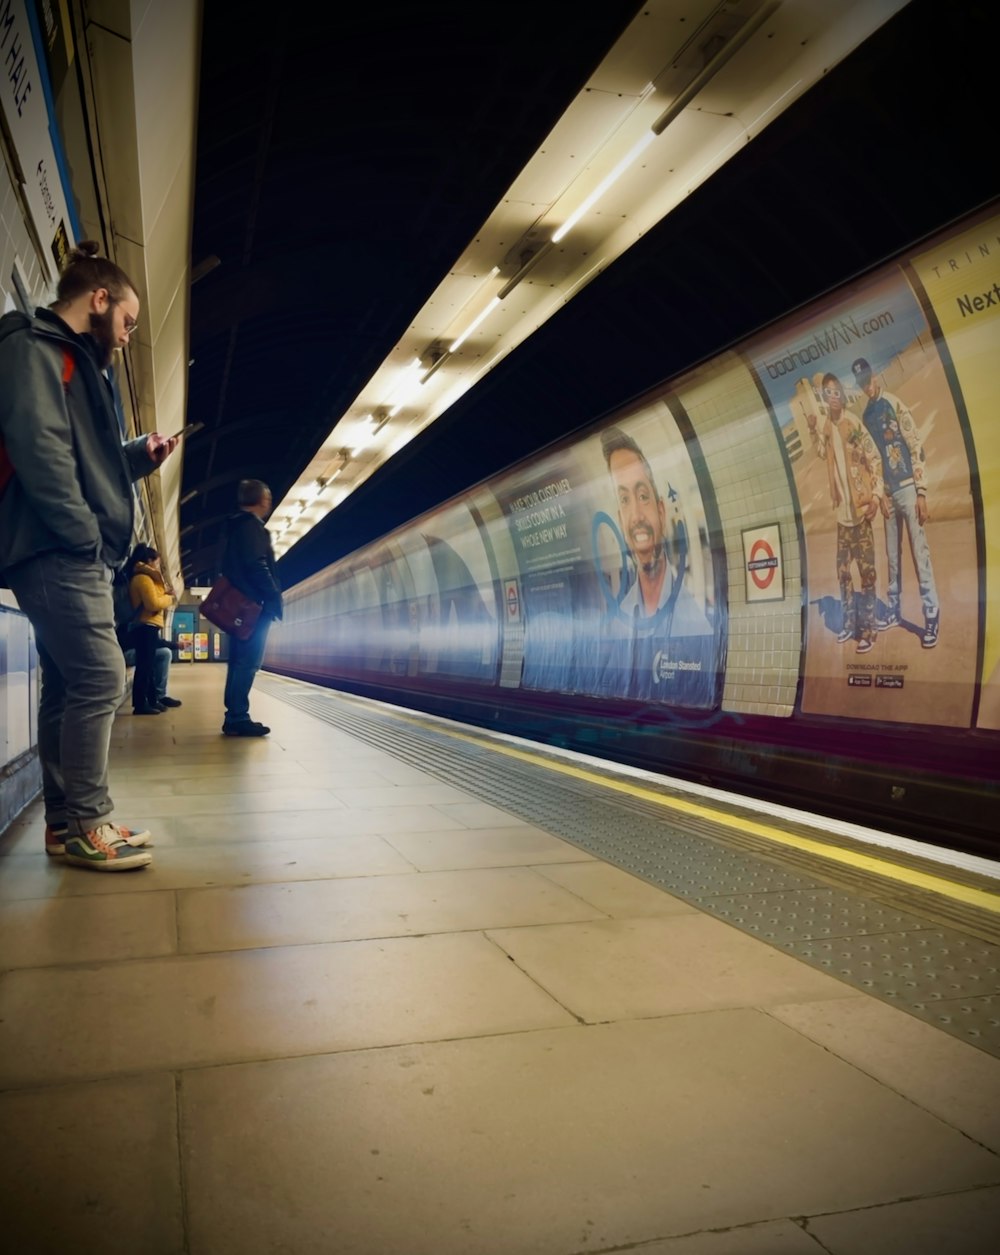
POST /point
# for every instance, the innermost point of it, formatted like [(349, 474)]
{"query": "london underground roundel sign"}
[(762, 556), (763, 563)]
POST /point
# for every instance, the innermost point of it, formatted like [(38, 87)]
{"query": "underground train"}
[(777, 573)]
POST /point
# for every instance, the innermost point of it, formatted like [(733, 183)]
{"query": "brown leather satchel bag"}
[(231, 610)]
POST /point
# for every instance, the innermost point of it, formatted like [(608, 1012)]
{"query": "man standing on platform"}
[(248, 563), (66, 519)]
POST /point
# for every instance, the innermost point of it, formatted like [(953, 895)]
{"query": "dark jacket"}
[(72, 485), (248, 561)]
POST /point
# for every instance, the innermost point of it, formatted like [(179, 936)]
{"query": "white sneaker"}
[(129, 835)]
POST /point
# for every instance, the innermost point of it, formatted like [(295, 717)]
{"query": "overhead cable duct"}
[(728, 50)]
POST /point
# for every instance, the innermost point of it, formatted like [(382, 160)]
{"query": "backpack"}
[(126, 614), (7, 469)]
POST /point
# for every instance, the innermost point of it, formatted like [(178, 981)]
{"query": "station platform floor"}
[(362, 1003)]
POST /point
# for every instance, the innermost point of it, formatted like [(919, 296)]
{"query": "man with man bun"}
[(66, 525)]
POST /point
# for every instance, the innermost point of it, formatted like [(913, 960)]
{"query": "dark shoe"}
[(147, 710), (55, 840), (245, 729), (864, 645), (167, 701), (930, 636), (843, 636)]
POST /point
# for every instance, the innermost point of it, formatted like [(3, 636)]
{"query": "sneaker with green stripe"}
[(55, 837), (105, 850)]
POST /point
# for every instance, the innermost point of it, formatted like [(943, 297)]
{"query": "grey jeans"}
[(69, 604)]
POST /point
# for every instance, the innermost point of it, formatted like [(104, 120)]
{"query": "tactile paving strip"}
[(939, 975)]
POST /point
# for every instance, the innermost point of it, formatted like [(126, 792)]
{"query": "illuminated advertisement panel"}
[(453, 609), (960, 283), (617, 578), (873, 432), (547, 512)]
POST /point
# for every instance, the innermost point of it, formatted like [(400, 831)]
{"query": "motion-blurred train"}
[(778, 573)]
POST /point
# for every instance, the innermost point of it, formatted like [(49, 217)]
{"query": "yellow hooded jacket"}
[(146, 589)]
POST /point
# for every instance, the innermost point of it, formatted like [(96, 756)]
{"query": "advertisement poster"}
[(878, 455), (547, 519), (201, 646), (182, 627), (455, 616), (960, 282), (35, 136), (617, 576)]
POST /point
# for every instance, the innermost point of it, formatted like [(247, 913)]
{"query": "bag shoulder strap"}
[(69, 366)]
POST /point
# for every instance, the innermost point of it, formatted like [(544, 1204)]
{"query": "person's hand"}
[(160, 447), (871, 509), (885, 506), (922, 512)]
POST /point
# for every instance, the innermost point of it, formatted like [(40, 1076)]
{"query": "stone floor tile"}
[(619, 969), (92, 1169), (586, 1138), (256, 1004)]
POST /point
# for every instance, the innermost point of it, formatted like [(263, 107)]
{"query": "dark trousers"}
[(145, 640)]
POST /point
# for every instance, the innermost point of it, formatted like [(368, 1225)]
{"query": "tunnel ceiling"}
[(342, 166), (340, 174)]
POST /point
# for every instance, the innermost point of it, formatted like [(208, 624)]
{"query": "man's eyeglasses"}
[(832, 392), (130, 322)]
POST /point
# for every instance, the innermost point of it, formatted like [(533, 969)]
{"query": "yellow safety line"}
[(921, 880)]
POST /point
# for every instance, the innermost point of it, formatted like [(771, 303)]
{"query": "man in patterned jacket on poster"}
[(890, 424), (854, 474)]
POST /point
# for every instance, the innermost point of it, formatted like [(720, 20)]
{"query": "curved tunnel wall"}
[(726, 556)]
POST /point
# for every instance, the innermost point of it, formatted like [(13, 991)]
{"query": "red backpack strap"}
[(6, 466)]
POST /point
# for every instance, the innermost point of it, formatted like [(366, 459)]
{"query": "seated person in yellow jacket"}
[(149, 597)]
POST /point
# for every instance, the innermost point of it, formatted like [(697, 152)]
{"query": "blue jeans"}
[(245, 658), (68, 602), (903, 506)]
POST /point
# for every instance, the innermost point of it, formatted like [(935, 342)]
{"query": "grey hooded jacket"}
[(73, 475)]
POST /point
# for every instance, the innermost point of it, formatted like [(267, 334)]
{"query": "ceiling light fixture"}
[(728, 50), (480, 317), (635, 152), (673, 111)]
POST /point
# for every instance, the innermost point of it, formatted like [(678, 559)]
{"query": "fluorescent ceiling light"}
[(636, 151), (480, 317)]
